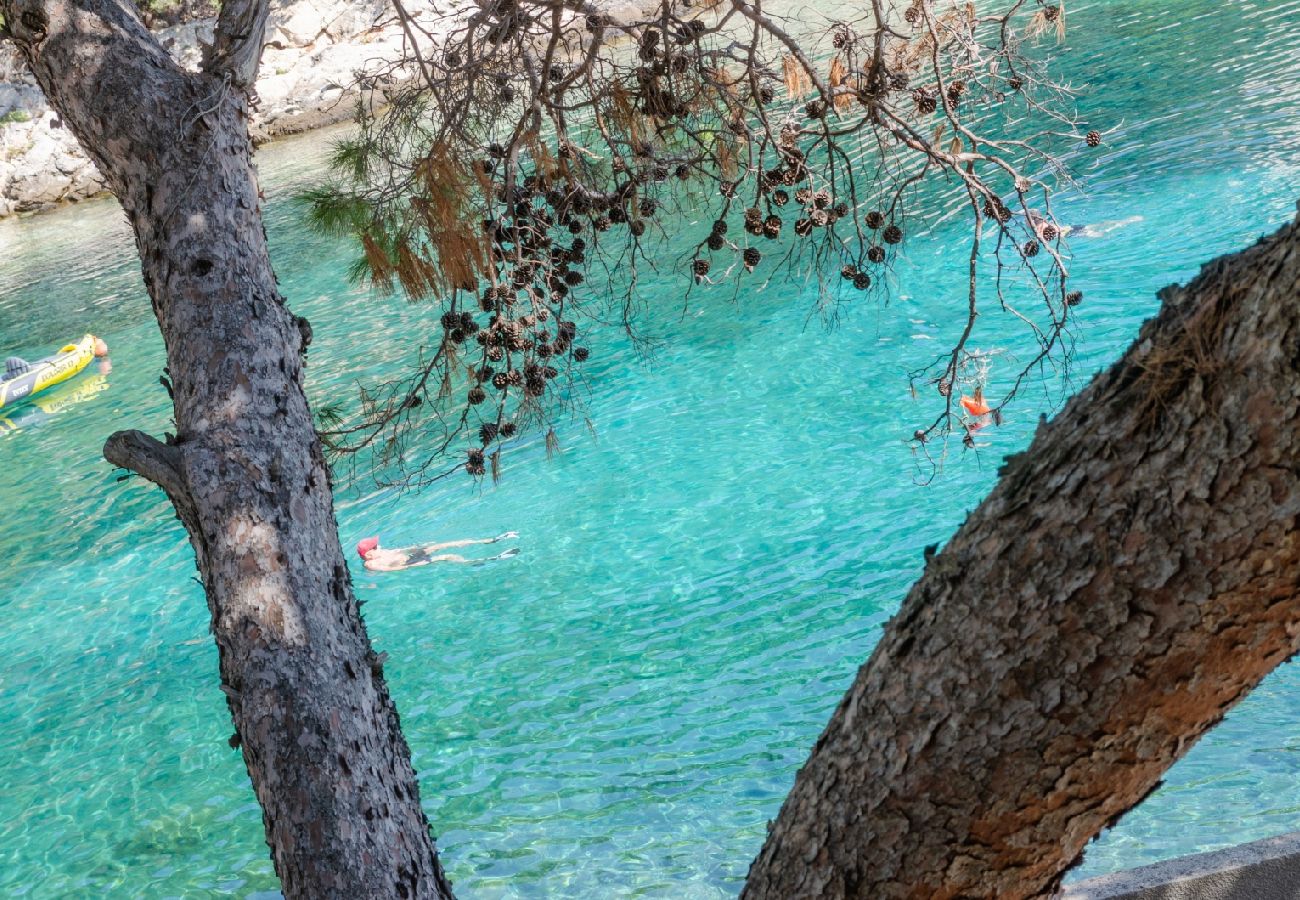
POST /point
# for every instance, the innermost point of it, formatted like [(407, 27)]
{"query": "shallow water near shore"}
[(619, 710)]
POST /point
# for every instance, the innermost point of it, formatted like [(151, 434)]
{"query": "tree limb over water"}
[(1132, 576), (523, 177)]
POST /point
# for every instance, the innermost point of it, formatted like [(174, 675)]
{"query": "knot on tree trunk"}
[(26, 23)]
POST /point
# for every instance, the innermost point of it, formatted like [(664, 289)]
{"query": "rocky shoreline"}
[(313, 53)]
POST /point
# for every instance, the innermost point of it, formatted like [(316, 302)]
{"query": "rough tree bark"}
[(320, 735), (1131, 577)]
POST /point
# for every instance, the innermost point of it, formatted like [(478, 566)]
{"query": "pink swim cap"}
[(365, 545)]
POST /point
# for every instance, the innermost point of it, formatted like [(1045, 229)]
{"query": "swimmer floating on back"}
[(378, 559)]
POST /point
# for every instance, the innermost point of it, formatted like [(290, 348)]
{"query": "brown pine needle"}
[(797, 82)]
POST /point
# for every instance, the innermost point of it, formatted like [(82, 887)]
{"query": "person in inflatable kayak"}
[(16, 365), (378, 559)]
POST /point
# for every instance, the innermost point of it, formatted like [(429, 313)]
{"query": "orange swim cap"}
[(975, 405)]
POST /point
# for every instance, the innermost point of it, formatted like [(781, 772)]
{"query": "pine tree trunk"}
[(1132, 576), (319, 733)]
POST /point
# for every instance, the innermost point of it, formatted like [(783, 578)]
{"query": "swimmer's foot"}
[(505, 536), (505, 554)]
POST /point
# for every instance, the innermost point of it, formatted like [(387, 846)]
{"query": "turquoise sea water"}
[(620, 710)]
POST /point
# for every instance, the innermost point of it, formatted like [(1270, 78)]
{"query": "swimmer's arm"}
[(447, 545)]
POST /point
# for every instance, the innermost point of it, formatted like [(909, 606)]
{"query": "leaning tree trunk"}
[(1131, 577), (320, 734)]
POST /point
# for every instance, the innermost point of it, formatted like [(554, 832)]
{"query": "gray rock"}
[(315, 51)]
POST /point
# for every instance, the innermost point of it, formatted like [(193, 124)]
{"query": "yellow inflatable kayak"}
[(50, 403), (19, 379)]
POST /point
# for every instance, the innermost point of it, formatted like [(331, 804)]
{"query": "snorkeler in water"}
[(1048, 231), (379, 559)]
